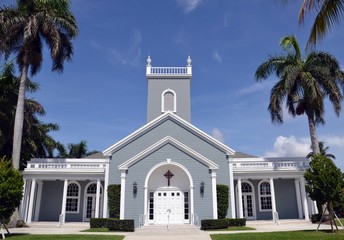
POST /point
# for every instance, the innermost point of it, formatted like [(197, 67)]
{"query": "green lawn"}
[(232, 229), (64, 237), (298, 235)]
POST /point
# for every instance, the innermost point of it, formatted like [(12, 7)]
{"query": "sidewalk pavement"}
[(180, 232)]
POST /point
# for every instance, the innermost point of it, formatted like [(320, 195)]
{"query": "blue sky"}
[(101, 96)]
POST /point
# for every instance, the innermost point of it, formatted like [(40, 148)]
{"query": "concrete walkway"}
[(179, 232)]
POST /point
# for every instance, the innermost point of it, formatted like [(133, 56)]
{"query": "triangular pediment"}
[(178, 120), (168, 140)]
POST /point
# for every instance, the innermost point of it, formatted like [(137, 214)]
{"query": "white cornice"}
[(163, 142), (160, 119)]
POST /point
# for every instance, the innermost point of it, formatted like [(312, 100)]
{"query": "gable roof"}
[(163, 142), (162, 118)]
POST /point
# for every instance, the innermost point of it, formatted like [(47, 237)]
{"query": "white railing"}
[(168, 70), (60, 220), (195, 220), (63, 166), (66, 164), (276, 218), (259, 164), (142, 220)]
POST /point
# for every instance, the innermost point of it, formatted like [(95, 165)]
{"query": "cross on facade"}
[(168, 175)]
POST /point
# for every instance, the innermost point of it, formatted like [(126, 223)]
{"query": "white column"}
[(38, 201), (64, 200), (298, 197), (241, 213), (273, 198), (192, 211), (304, 198), (22, 204), (315, 207), (231, 189), (105, 191), (27, 199), (122, 204), (96, 215), (32, 200), (214, 192), (145, 207)]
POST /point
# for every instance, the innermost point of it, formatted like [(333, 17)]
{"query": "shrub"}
[(222, 200), (214, 224), (121, 225), (236, 222), (11, 189), (98, 223), (114, 200)]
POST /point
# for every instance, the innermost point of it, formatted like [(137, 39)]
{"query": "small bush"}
[(114, 199), (121, 225), (98, 223), (236, 222), (222, 200), (214, 224)]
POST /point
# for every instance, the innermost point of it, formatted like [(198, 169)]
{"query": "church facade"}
[(168, 171)]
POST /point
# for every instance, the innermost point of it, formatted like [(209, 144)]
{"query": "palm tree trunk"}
[(313, 133), (19, 119)]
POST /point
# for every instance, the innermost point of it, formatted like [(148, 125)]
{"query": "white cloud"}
[(129, 56), (289, 147), (189, 5), (217, 57), (331, 140), (256, 87), (218, 135)]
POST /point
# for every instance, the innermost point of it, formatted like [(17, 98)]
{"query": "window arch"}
[(168, 101), (265, 203), (73, 197)]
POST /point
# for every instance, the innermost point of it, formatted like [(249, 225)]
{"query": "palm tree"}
[(23, 30), (73, 150), (303, 85), (36, 139), (323, 152), (329, 14)]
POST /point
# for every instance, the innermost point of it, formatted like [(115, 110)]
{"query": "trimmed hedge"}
[(114, 200), (98, 223), (121, 225), (113, 224), (236, 222), (214, 224), (222, 200)]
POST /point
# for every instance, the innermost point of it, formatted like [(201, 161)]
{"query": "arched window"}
[(73, 197), (168, 101), (265, 203)]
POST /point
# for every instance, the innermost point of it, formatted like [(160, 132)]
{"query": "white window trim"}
[(79, 191), (174, 100), (259, 196)]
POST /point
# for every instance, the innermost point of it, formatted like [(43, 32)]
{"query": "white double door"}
[(168, 207)]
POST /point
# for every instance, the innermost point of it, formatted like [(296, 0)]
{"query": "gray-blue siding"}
[(198, 171)]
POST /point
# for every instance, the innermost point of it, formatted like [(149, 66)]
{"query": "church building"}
[(168, 171)]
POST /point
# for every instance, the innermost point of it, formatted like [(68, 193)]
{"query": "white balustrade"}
[(259, 164), (168, 70)]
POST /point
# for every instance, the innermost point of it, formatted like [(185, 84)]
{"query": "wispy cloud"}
[(189, 5), (218, 135), (129, 56), (331, 140), (217, 57), (289, 147), (256, 87)]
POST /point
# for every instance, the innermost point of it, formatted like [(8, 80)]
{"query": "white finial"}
[(189, 61), (149, 60)]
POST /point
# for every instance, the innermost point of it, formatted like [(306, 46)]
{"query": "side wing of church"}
[(168, 171)]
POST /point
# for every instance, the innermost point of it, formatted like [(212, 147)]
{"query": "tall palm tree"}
[(303, 85), (23, 30), (36, 139), (323, 152), (329, 14)]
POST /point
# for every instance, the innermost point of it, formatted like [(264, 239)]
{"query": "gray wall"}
[(51, 202), (199, 172), (182, 89)]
